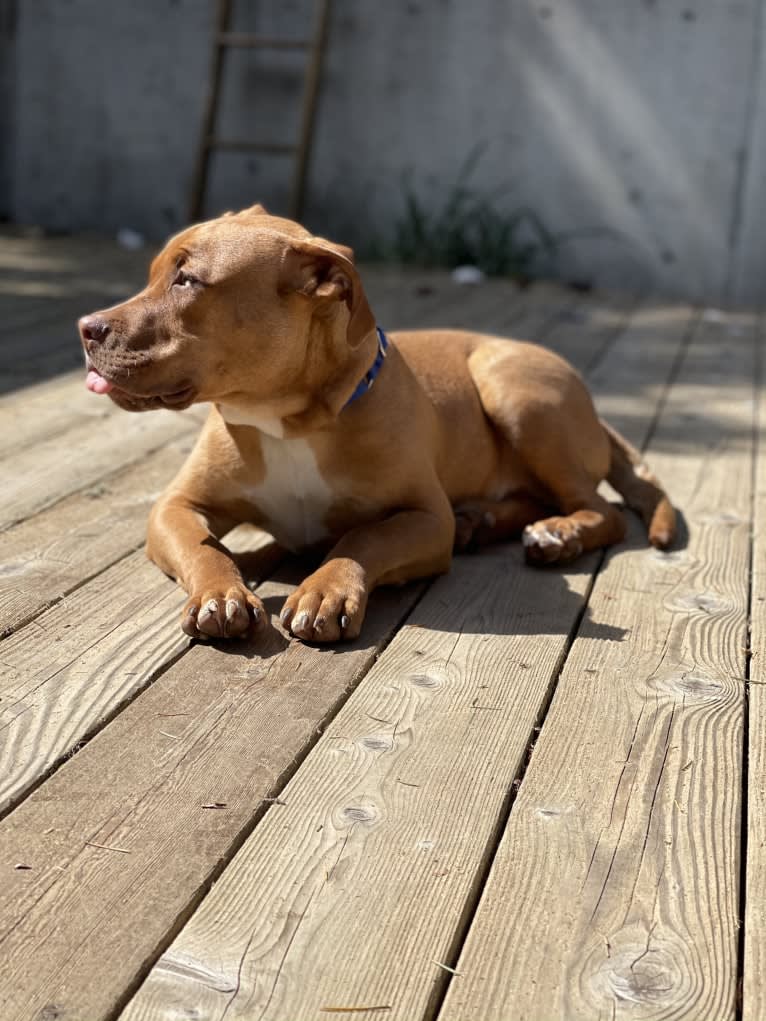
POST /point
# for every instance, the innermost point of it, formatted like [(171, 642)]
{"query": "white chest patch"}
[(260, 419), (293, 496)]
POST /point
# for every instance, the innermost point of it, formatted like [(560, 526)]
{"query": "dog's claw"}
[(189, 623), (286, 616), (209, 620), (210, 609), (301, 622), (329, 605), (230, 612)]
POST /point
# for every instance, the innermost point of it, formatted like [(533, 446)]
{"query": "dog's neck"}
[(260, 417), (317, 400)]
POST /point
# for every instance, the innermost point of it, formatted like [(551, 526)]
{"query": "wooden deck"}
[(522, 794)]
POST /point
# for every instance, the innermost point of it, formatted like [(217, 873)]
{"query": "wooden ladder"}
[(225, 39)]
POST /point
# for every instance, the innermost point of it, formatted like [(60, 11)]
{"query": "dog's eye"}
[(183, 279)]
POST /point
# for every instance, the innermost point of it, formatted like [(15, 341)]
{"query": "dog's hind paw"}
[(223, 613), (555, 540)]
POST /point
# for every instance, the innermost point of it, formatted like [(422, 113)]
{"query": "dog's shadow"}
[(491, 592)]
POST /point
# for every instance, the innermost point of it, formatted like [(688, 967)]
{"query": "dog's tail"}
[(641, 490)]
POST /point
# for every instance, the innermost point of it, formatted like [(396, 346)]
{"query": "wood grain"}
[(92, 652), (45, 280), (753, 991), (56, 551), (176, 781), (351, 891), (73, 460), (52, 408), (287, 695), (614, 892), (358, 892)]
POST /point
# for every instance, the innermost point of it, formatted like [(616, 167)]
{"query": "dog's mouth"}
[(177, 400)]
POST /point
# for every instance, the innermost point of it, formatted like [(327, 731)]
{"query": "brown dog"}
[(388, 456)]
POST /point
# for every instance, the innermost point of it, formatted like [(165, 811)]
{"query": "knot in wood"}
[(377, 742), (641, 975), (550, 812), (9, 568), (365, 813), (51, 1012), (668, 557), (703, 602), (726, 518), (426, 680), (692, 687)]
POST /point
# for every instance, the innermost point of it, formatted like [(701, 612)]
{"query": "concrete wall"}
[(7, 100), (634, 129)]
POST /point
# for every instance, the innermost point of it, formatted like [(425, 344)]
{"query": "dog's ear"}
[(256, 210), (326, 273)]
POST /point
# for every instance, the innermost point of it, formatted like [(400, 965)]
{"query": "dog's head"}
[(248, 304)]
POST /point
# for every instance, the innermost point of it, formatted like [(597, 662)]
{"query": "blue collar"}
[(369, 377)]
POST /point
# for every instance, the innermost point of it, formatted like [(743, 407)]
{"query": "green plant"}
[(470, 229)]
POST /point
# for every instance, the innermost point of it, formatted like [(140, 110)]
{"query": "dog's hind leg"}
[(541, 407), (480, 522), (594, 523)]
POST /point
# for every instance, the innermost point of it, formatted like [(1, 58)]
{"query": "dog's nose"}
[(93, 329)]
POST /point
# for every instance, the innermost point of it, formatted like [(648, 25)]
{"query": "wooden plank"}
[(620, 863), (582, 330), (92, 652), (352, 891), (53, 407), (56, 551), (30, 370), (357, 893), (621, 388), (73, 460), (753, 992), (62, 285), (214, 730), (127, 933), (403, 299)]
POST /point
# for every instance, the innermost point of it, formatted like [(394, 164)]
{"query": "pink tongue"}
[(97, 384)]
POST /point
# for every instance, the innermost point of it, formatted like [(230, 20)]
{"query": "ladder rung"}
[(249, 40), (231, 143)]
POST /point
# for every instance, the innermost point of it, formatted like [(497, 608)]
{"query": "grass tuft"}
[(469, 229)]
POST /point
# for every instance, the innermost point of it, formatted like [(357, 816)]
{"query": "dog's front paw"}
[(554, 540), (232, 612), (329, 605)]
